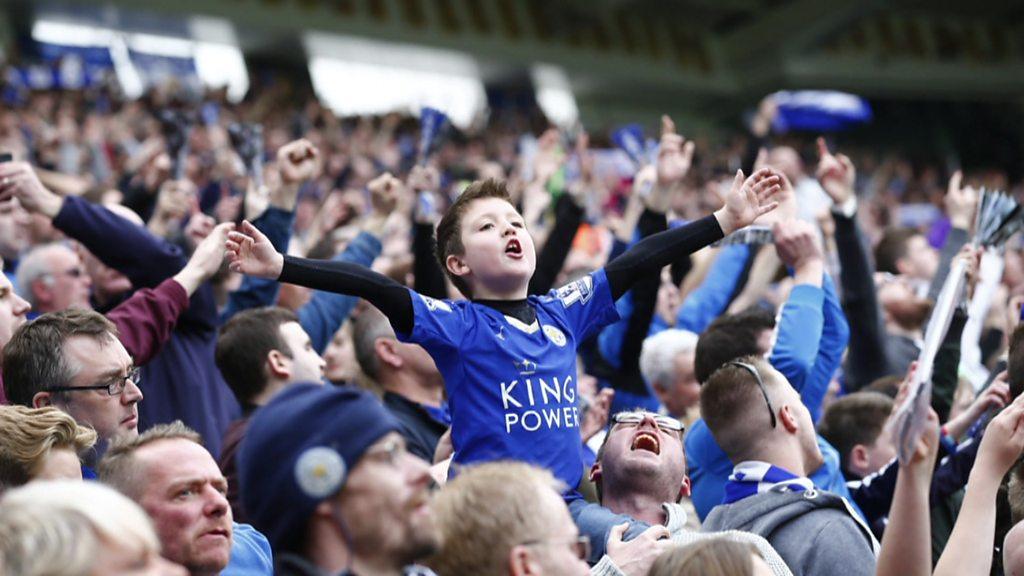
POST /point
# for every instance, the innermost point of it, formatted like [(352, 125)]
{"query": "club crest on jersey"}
[(434, 305), (555, 335), (579, 291), (525, 366)]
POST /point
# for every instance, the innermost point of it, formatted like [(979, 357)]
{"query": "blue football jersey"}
[(512, 387)]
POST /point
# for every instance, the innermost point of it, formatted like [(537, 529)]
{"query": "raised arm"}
[(747, 200), (906, 546), (960, 203), (326, 311), (428, 277), (149, 261), (801, 321), (297, 162), (250, 252), (867, 353), (968, 549), (146, 320)]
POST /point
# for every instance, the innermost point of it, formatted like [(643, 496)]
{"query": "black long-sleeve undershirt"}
[(428, 278), (659, 250), (568, 217), (390, 297), (394, 300)]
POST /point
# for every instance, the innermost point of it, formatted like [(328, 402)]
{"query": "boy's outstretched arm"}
[(747, 200), (250, 252)]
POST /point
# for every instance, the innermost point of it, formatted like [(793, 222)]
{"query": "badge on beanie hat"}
[(319, 472)]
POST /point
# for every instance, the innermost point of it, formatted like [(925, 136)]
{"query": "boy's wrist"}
[(725, 221)]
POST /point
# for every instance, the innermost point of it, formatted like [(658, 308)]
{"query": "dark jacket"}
[(181, 382), (420, 430)]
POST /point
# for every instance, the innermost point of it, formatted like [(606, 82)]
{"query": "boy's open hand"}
[(250, 252), (748, 199)]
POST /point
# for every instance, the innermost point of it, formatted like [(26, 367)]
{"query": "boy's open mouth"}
[(513, 248)]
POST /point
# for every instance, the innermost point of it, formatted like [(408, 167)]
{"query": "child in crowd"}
[(508, 360)]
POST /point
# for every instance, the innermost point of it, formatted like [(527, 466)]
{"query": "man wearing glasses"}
[(760, 422), (640, 475), (73, 360)]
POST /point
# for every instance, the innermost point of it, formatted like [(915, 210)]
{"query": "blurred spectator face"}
[(684, 391), (643, 457), (14, 232), (340, 357), (65, 285), (306, 364), (183, 491), (13, 309), (921, 261), (100, 362), (787, 161), (386, 503), (898, 298)]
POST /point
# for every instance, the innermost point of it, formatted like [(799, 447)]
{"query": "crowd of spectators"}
[(522, 352)]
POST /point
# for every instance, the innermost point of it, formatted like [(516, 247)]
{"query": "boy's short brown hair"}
[(449, 230)]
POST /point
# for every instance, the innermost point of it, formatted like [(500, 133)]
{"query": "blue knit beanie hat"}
[(298, 451)]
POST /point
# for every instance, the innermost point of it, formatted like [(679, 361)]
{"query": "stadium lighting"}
[(356, 76), (67, 34), (216, 56), (219, 61), (554, 95)]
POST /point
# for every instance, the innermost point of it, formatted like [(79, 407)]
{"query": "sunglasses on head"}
[(760, 384)]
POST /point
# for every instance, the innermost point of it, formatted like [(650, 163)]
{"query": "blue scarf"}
[(752, 478)]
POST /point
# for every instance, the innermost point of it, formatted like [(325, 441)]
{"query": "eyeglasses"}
[(114, 387), (760, 384), (665, 423), (579, 546)]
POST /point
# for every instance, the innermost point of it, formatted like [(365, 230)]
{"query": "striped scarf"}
[(751, 478)]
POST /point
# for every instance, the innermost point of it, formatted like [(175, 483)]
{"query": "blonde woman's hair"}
[(710, 557), (487, 510), (27, 435), (59, 527)]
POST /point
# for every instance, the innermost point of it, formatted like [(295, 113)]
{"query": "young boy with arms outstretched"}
[(508, 360)]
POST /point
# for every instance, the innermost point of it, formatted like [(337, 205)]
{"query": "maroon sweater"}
[(144, 321)]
